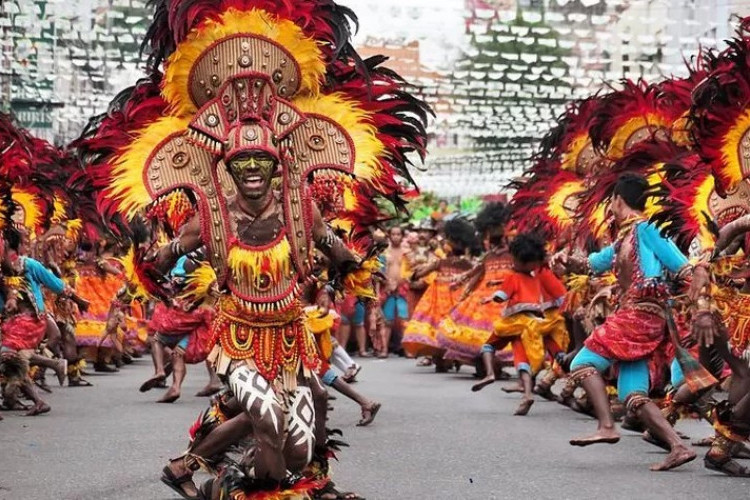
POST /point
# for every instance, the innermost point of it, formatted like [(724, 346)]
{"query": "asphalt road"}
[(433, 439)]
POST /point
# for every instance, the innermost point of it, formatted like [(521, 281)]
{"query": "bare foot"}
[(38, 409), (678, 456), (603, 435), (489, 379), (524, 407), (172, 395)]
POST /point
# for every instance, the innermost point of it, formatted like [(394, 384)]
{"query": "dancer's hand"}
[(701, 279), (704, 329), (558, 260)]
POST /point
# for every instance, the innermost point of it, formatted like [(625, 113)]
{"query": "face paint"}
[(252, 174)]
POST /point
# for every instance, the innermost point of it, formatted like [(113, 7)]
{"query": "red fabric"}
[(347, 305), (24, 331), (628, 334), (552, 287), (519, 353), (171, 321), (200, 342), (551, 346)]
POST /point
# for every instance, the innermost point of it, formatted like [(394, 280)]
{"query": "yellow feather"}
[(654, 176), (700, 205), (73, 229), (368, 149), (250, 264), (29, 204), (234, 22), (59, 210), (557, 208), (571, 154), (127, 177), (136, 289), (198, 283), (731, 169), (618, 144)]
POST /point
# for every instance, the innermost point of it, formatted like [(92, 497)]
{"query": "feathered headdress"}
[(628, 116), (576, 151), (690, 209), (721, 112), (255, 75), (547, 205)]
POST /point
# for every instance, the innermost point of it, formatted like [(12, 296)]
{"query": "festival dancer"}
[(248, 95), (23, 306), (420, 335), (523, 320), (353, 320), (469, 324), (182, 326), (720, 330), (629, 336)]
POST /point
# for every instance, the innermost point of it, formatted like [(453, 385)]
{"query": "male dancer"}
[(640, 258)]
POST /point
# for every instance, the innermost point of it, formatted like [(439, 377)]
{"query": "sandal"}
[(42, 384), (207, 392), (351, 374), (170, 399), (368, 415), (152, 382), (79, 382), (168, 478), (39, 409), (726, 466)]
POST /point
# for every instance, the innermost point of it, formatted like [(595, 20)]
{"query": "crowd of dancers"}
[(229, 210)]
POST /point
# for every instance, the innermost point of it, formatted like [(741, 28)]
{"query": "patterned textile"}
[(22, 332), (469, 324), (420, 335), (632, 332)]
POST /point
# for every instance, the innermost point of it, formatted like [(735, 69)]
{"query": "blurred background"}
[(497, 72)]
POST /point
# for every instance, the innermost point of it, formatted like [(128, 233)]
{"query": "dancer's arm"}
[(187, 241), (602, 261), (730, 232)]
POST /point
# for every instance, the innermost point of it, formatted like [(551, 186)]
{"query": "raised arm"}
[(331, 245), (187, 241)]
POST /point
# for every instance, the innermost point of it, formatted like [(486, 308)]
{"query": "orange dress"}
[(468, 325), (100, 289), (420, 335)]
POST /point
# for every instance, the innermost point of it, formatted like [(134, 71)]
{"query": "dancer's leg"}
[(585, 370)]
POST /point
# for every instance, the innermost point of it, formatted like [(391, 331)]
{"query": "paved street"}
[(433, 439)]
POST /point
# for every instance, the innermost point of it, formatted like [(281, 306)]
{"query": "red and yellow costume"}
[(465, 329), (420, 335)]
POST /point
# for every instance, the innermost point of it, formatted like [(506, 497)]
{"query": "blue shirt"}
[(655, 254), (38, 276)]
